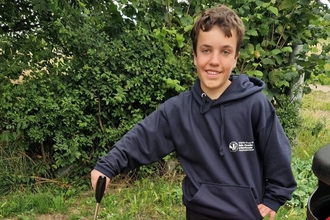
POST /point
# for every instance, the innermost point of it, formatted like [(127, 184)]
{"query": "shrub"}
[(94, 73)]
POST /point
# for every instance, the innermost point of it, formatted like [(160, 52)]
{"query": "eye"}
[(226, 52), (205, 51)]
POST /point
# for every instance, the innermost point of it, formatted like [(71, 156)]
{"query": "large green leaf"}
[(287, 4)]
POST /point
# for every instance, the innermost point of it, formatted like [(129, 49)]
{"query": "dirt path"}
[(323, 88)]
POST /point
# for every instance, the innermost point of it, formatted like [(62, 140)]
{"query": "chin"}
[(213, 85)]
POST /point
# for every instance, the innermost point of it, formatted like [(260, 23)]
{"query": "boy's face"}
[(215, 58)]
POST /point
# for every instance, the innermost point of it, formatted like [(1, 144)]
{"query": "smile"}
[(212, 72)]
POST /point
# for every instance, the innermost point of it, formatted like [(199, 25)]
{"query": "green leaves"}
[(255, 73), (308, 182), (97, 67), (273, 10), (186, 20), (273, 30), (252, 32), (287, 4)]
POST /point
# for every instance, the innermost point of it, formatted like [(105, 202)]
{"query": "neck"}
[(216, 93)]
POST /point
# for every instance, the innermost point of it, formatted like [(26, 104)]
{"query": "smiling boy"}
[(215, 52), (226, 134)]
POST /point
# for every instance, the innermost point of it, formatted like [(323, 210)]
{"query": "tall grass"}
[(26, 204), (160, 197), (312, 135), (315, 130), (145, 199)]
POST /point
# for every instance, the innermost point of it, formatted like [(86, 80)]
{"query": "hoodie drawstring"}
[(205, 106)]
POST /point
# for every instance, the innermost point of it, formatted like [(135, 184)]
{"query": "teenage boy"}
[(225, 132)]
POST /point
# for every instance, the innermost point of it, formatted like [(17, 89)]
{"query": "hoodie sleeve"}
[(276, 154), (147, 142)]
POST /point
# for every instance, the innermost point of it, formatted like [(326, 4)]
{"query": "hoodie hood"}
[(241, 86)]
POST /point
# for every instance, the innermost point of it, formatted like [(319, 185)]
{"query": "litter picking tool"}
[(99, 192)]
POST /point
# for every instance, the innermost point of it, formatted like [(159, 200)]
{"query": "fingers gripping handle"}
[(100, 187)]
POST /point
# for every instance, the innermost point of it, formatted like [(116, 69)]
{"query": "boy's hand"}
[(95, 176), (264, 211)]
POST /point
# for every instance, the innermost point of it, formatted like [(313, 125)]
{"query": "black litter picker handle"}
[(100, 187), (99, 192)]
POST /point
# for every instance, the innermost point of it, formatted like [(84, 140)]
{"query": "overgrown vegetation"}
[(74, 79), (76, 75), (315, 128), (153, 197)]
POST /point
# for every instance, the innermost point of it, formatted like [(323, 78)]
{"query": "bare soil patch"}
[(323, 88)]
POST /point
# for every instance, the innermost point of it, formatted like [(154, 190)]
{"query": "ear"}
[(195, 58), (237, 55), (235, 62)]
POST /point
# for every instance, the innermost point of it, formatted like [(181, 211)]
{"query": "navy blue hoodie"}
[(233, 150)]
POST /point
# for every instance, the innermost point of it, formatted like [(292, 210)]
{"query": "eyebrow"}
[(224, 46)]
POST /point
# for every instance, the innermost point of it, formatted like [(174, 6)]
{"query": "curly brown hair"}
[(223, 17)]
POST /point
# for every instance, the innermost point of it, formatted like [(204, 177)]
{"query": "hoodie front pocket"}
[(229, 202)]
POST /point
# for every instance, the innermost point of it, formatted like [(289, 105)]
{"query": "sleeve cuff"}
[(272, 204), (104, 171)]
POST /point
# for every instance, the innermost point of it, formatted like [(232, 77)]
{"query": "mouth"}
[(212, 72)]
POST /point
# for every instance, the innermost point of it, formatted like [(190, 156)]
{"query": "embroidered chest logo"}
[(241, 146)]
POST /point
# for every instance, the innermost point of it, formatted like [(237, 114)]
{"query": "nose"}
[(215, 61)]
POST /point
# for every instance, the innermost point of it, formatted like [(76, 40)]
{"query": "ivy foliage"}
[(77, 75)]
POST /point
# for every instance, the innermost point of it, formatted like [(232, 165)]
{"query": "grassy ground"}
[(160, 198), (315, 131)]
